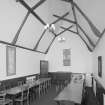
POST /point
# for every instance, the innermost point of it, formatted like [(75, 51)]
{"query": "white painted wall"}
[(12, 15), (27, 63), (99, 51), (2, 62), (81, 58)]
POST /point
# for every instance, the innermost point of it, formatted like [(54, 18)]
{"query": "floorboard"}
[(46, 99)]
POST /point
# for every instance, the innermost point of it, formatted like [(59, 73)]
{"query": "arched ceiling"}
[(36, 23)]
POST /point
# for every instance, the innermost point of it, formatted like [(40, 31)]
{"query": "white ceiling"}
[(91, 20)]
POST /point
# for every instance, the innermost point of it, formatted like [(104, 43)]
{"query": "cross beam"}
[(50, 45), (80, 37), (60, 17), (67, 1), (39, 40), (66, 29), (69, 30), (7, 43), (92, 26), (90, 41), (75, 18), (30, 9), (65, 19), (25, 19)]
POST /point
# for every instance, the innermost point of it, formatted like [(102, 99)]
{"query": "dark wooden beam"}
[(23, 22), (60, 18), (53, 33), (69, 30), (38, 4), (92, 26), (50, 45), (39, 40), (66, 29), (90, 41), (85, 43), (68, 1), (75, 18), (7, 43), (80, 37), (29, 9), (19, 30), (73, 22), (103, 32)]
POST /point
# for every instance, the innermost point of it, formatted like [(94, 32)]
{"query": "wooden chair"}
[(49, 83), (20, 83), (41, 88), (24, 95), (4, 100)]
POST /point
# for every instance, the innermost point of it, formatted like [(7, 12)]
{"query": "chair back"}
[(2, 96), (20, 83), (25, 92)]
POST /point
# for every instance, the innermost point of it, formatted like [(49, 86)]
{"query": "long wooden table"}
[(72, 93), (16, 90)]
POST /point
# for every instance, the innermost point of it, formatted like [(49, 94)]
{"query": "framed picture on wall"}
[(10, 60), (100, 66), (66, 57)]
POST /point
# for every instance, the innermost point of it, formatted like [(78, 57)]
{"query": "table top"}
[(73, 92), (17, 89)]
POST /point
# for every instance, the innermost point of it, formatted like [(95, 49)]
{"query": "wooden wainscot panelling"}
[(59, 76)]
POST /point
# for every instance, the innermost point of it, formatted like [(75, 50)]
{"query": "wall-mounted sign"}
[(11, 60), (100, 66), (66, 57)]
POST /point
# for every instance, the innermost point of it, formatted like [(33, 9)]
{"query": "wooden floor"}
[(46, 99)]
